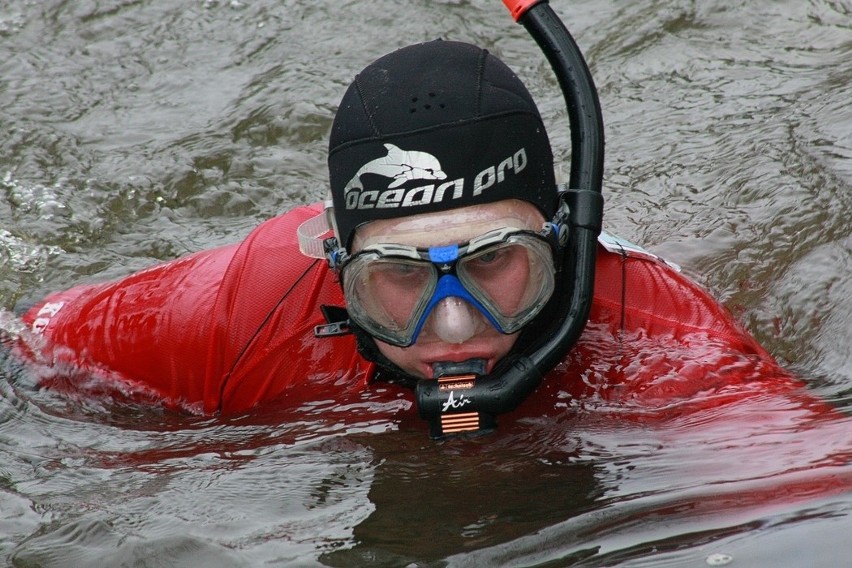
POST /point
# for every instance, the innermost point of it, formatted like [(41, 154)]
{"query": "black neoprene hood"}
[(435, 126)]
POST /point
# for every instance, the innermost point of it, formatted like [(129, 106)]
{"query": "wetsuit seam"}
[(226, 379), (623, 310)]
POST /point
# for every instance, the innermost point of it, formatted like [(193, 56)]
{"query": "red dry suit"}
[(226, 329)]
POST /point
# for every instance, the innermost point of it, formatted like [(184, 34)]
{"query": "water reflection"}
[(432, 501), (590, 483)]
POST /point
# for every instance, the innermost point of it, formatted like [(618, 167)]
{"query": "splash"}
[(23, 257), (15, 252)]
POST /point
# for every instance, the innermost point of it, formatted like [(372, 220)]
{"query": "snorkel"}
[(462, 399)]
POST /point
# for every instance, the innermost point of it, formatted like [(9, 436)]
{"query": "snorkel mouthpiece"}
[(469, 367), (462, 399), (452, 401)]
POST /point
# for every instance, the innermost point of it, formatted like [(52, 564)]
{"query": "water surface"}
[(137, 131)]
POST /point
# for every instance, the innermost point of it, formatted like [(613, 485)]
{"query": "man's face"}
[(454, 331)]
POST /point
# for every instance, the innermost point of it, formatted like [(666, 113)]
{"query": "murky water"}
[(136, 131)]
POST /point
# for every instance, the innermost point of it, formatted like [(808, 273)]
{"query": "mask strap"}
[(313, 233)]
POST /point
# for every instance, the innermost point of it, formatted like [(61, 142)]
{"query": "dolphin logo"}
[(400, 166)]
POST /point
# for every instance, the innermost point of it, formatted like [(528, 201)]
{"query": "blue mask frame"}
[(449, 286)]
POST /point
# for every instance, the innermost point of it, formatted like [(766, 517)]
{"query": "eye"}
[(488, 257), (402, 269), (400, 273), (491, 257)]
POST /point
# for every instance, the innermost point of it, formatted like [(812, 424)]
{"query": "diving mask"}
[(507, 274)]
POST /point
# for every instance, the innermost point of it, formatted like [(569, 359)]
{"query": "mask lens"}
[(385, 295), (513, 279)]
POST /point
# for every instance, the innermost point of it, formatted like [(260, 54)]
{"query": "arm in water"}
[(219, 330)]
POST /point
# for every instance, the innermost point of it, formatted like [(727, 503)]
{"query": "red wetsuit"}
[(226, 329)]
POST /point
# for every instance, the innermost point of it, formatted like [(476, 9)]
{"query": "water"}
[(134, 132)]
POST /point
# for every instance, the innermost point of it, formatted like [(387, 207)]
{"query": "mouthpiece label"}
[(451, 420), (453, 403), (462, 382), (460, 422)]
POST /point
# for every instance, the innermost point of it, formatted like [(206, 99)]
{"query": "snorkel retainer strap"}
[(469, 402)]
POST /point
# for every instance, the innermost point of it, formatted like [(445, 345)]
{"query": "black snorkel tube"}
[(463, 400)]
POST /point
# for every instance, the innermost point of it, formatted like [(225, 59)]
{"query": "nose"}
[(454, 320)]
